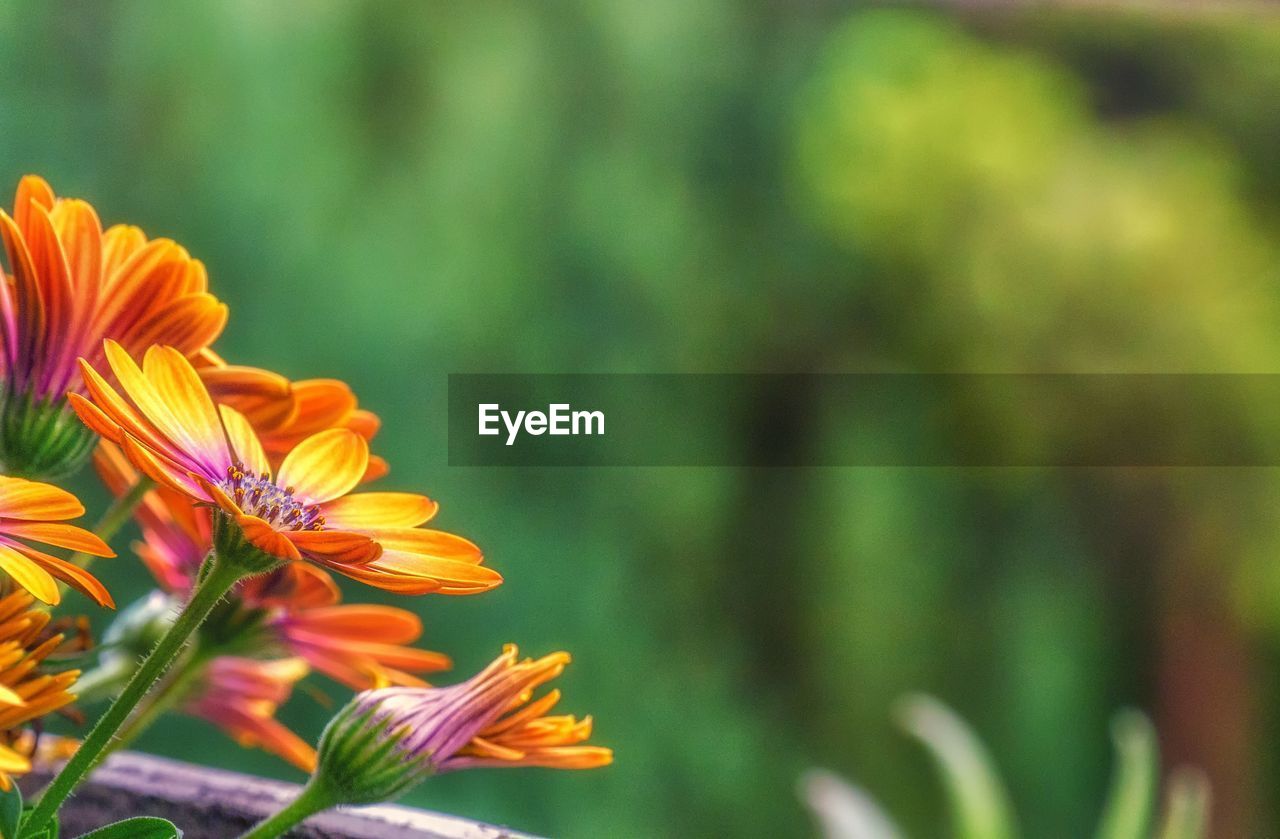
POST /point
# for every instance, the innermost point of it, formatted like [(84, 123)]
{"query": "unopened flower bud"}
[(387, 740)]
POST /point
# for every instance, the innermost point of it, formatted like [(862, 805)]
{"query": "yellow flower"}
[(170, 429), (25, 693)]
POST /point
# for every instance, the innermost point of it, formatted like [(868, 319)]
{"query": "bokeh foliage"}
[(387, 192)]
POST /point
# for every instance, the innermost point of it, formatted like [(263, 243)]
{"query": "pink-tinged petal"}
[(173, 377), (30, 305), (162, 470), (169, 394), (325, 465)]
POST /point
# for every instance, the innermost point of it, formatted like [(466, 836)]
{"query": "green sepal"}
[(42, 440)]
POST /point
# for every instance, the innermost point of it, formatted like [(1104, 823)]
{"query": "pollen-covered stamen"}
[(259, 496)]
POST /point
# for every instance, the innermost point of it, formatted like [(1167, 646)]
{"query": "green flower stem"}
[(315, 796), (154, 706), (116, 516), (224, 572)]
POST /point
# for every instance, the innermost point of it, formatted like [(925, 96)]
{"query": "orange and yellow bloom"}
[(360, 645), (170, 429), (69, 285), (241, 696), (34, 512), (25, 693)]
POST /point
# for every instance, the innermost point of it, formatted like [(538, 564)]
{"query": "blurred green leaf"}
[(1187, 808), (980, 805), (1131, 798), (843, 810), (10, 812)]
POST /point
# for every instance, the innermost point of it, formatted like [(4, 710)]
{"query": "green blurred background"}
[(388, 192)]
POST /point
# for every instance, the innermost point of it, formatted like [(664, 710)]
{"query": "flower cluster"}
[(249, 491)]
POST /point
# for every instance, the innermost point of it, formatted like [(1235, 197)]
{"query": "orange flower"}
[(33, 511), (360, 645), (170, 429), (71, 285), (25, 693), (241, 696)]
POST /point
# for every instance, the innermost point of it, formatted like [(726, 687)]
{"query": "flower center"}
[(259, 496)]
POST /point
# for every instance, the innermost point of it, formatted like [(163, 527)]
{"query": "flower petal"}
[(35, 501), (245, 444), (29, 575), (59, 535), (429, 542), (162, 470), (266, 538), (454, 576), (367, 622), (335, 546), (379, 509), (73, 575), (172, 375), (325, 465)]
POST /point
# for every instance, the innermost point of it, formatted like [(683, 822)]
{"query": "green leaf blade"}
[(10, 812), (1132, 794), (980, 803)]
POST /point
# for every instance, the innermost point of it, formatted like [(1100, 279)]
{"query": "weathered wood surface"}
[(216, 804)]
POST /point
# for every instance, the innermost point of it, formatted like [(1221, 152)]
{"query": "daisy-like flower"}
[(361, 646), (241, 696), (34, 512), (25, 693), (386, 740), (69, 285), (170, 429)]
